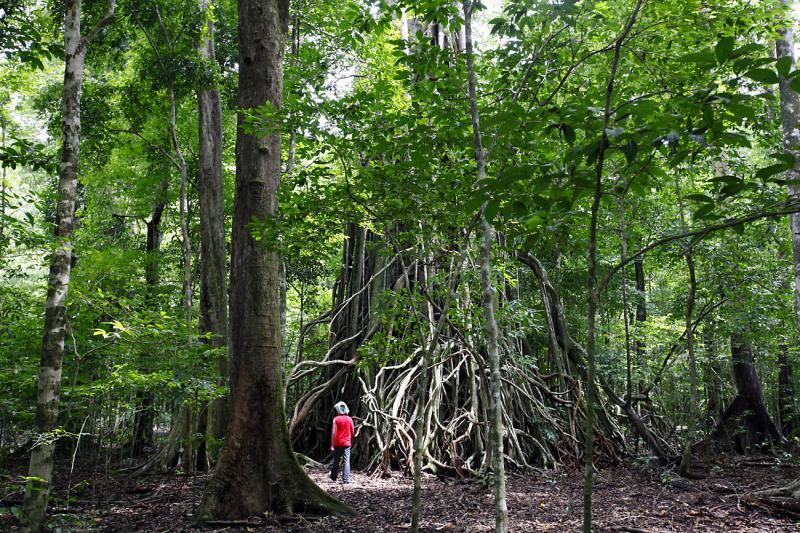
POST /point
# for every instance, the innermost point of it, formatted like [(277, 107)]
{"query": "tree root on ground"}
[(783, 500)]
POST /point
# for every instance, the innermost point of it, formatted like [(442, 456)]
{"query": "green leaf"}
[(795, 84), (474, 203), (734, 188), (723, 49), (738, 229), (492, 207), (569, 133), (762, 75), (631, 150), (734, 139), (699, 198), (704, 211), (705, 57), (784, 66), (591, 151), (744, 50), (771, 170), (786, 158), (727, 180)]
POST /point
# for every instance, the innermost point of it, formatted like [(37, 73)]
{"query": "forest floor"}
[(626, 499)]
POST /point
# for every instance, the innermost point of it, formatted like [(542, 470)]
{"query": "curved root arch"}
[(543, 408)]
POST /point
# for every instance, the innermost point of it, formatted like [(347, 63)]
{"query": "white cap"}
[(341, 408)]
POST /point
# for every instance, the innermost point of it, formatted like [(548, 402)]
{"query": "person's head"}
[(341, 408)]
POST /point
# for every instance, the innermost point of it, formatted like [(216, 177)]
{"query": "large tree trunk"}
[(488, 297), (257, 471), (213, 286), (52, 355), (747, 408), (790, 115)]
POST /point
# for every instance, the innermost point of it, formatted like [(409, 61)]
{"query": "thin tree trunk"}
[(143, 420), (786, 394), (213, 252), (488, 297), (686, 459), (186, 245), (623, 252), (257, 471), (186, 252), (591, 283), (3, 126), (641, 311), (430, 341), (52, 355), (187, 431), (712, 373)]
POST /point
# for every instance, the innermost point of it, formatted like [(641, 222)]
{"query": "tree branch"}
[(789, 208), (87, 39)]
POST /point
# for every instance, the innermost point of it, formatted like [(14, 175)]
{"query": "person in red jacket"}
[(341, 440)]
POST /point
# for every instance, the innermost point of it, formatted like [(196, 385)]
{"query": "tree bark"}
[(712, 380), (686, 459), (52, 355), (641, 310), (257, 471), (3, 125), (143, 420), (783, 500), (592, 289), (790, 118), (747, 407), (213, 253), (786, 393), (559, 331), (186, 245), (488, 297)]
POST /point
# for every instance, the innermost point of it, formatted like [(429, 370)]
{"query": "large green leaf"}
[(723, 49), (762, 75)]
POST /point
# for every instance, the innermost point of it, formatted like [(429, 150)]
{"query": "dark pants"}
[(339, 453)]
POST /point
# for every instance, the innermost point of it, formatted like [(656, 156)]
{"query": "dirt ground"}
[(626, 499)]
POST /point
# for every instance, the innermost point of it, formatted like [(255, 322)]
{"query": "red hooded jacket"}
[(342, 434)]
